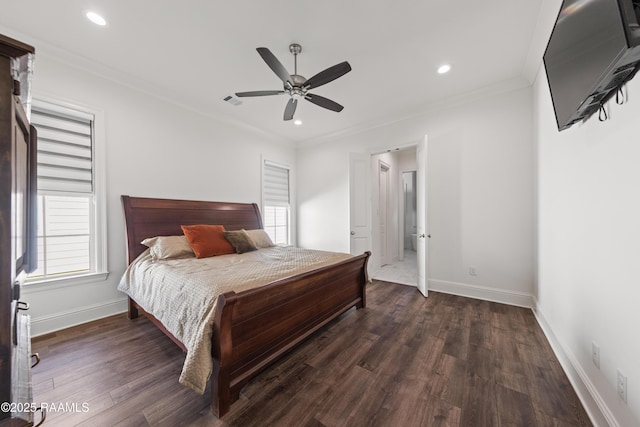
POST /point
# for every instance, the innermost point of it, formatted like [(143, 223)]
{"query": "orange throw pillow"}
[(207, 240)]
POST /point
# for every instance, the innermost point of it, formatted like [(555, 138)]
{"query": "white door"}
[(383, 213), (360, 202), (421, 212)]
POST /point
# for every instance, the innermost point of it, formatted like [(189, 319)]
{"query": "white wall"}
[(589, 247), (406, 160), (153, 149), (480, 191)]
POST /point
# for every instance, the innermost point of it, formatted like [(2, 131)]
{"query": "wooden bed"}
[(254, 327)]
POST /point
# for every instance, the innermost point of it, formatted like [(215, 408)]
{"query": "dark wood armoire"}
[(18, 246)]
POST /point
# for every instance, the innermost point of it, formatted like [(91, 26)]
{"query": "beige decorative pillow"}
[(260, 238), (166, 247), (240, 241)]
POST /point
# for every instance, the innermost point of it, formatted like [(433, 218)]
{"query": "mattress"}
[(181, 293)]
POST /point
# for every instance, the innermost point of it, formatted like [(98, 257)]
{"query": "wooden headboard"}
[(146, 217)]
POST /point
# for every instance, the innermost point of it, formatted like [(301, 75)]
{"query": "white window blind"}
[(66, 192), (276, 185), (65, 152), (276, 201)]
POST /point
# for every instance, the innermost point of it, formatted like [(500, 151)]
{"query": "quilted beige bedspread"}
[(181, 293)]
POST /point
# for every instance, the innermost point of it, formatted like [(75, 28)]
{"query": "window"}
[(276, 202), (70, 237)]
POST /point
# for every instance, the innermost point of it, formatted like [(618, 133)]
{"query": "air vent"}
[(232, 100)]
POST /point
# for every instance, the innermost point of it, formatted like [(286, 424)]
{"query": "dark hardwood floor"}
[(403, 361)]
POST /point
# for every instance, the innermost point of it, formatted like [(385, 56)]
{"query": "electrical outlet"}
[(595, 354), (622, 386), (472, 271)]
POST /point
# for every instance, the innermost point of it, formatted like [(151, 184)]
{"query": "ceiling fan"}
[(295, 85)]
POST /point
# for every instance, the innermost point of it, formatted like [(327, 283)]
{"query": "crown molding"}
[(425, 110), (95, 68), (544, 25), (103, 71)]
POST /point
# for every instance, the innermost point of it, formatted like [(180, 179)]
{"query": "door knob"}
[(429, 235), (421, 236), (353, 233)]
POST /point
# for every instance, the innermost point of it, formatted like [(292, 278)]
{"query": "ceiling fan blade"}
[(324, 102), (259, 93), (328, 75), (275, 65), (290, 109)]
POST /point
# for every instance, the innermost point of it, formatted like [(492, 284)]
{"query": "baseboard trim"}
[(596, 408), (66, 319), (519, 299)]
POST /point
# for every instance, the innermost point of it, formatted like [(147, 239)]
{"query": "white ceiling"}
[(195, 52)]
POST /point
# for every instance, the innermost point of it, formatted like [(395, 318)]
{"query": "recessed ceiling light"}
[(444, 69), (297, 122), (96, 18)]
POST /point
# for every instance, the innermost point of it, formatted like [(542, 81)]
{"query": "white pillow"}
[(260, 238), (166, 247)]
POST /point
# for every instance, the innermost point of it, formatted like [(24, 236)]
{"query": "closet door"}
[(17, 232)]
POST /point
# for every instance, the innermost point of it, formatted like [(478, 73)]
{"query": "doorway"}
[(394, 213), (364, 199)]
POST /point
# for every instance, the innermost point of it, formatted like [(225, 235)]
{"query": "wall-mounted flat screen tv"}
[(593, 50)]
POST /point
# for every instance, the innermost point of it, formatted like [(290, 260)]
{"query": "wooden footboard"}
[(253, 328)]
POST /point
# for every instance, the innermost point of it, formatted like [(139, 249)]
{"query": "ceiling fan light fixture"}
[(297, 122), (95, 18), (444, 68)]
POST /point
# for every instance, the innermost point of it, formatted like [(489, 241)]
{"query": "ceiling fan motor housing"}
[(298, 89)]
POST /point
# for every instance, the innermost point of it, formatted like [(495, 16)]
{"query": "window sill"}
[(63, 282)]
